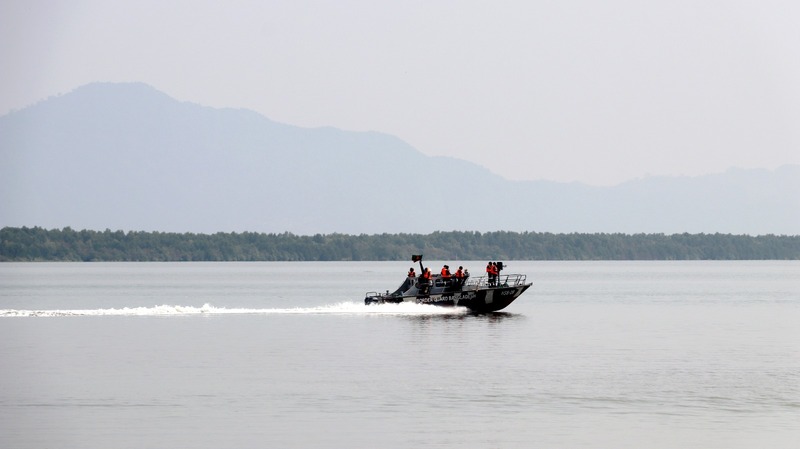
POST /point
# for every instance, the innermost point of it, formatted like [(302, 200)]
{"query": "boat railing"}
[(503, 280)]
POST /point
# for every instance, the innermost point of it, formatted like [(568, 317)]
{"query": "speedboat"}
[(482, 295)]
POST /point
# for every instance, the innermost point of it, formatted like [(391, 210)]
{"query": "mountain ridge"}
[(127, 156)]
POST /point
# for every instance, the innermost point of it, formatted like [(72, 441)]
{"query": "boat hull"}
[(482, 300)]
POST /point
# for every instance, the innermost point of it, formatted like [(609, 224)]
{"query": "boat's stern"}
[(381, 298), (373, 298)]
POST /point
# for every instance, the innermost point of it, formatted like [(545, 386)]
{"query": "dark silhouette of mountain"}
[(125, 156)]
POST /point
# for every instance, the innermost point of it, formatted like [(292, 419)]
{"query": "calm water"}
[(219, 355)]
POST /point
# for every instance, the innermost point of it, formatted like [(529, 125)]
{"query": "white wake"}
[(343, 308)]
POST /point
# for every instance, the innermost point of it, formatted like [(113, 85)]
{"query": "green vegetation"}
[(37, 244)]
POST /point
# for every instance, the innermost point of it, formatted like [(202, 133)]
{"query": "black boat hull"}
[(481, 300)]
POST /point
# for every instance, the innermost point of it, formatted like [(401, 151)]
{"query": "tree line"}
[(38, 244)]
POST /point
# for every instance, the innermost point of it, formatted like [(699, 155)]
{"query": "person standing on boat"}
[(460, 276), (490, 273), (411, 273), (425, 283)]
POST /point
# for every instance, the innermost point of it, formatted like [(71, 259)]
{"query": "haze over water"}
[(595, 354)]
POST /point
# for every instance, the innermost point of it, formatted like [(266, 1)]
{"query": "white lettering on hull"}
[(456, 298)]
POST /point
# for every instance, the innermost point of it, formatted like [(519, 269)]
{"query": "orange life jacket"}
[(459, 273), (445, 273)]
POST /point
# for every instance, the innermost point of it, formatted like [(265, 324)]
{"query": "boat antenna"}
[(418, 258)]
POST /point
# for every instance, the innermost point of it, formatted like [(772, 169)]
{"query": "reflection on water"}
[(466, 316)]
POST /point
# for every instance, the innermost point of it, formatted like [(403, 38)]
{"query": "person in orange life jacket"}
[(426, 280), (446, 276), (460, 276), (490, 269), (496, 273), (446, 272), (411, 273)]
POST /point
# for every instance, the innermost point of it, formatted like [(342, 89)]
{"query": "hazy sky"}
[(591, 91)]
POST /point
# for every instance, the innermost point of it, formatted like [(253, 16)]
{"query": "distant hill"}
[(126, 156)]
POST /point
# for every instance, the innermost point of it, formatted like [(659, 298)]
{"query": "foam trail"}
[(343, 308)]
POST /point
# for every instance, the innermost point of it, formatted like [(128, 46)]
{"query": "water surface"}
[(208, 355)]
